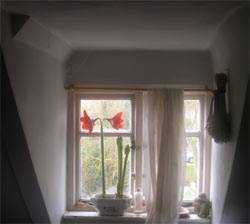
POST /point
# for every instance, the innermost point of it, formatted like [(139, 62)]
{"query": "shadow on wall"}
[(11, 196), (22, 200), (236, 209), (138, 67)]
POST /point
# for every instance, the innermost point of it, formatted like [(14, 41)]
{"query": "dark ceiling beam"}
[(17, 22)]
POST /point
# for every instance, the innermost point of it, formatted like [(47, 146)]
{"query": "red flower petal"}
[(116, 121), (87, 123)]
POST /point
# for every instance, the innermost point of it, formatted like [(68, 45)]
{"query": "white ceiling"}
[(136, 25)]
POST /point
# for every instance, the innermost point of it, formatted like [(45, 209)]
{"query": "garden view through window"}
[(193, 132), (90, 178), (90, 149)]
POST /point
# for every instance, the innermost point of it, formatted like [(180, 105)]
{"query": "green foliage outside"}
[(192, 124), (91, 179), (192, 115), (90, 148), (191, 171)]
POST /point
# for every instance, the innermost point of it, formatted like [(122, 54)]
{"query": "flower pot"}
[(110, 205)]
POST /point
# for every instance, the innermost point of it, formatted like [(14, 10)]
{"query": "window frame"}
[(73, 137), (72, 197), (204, 143), (80, 134)]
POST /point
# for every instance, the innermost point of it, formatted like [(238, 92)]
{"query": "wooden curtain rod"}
[(132, 88), (143, 87)]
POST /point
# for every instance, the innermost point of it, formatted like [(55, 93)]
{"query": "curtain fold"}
[(163, 138)]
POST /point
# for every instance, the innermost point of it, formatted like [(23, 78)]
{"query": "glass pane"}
[(108, 109), (90, 166), (191, 186), (192, 115)]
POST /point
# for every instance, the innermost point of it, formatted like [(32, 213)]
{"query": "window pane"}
[(90, 166), (107, 109), (192, 115), (191, 186)]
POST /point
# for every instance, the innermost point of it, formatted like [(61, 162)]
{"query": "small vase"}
[(110, 205), (138, 201)]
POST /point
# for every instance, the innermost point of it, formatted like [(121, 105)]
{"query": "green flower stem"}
[(103, 165), (127, 150), (119, 183)]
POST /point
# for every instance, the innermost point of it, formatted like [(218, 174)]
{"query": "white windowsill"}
[(93, 217), (194, 219)]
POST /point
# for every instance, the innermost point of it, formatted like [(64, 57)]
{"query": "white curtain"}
[(163, 138)]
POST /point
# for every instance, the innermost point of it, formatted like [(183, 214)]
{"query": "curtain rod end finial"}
[(70, 87)]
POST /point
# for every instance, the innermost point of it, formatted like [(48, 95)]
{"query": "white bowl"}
[(110, 205)]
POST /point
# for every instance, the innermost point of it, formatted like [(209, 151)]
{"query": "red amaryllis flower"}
[(116, 121), (87, 123)]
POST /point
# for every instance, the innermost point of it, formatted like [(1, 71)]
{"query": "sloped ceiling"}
[(136, 25)]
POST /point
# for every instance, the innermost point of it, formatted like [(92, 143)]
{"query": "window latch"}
[(133, 175), (133, 147)]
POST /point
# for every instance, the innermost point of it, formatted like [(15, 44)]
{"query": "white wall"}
[(38, 78), (229, 50), (139, 67), (38, 84), (37, 75)]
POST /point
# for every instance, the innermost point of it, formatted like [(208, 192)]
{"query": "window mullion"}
[(111, 134), (77, 154), (202, 148)]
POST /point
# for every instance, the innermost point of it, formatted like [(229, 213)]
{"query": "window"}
[(89, 144), (84, 166), (194, 136), (84, 162)]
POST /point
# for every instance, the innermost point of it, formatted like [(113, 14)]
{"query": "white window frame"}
[(73, 162), (205, 143)]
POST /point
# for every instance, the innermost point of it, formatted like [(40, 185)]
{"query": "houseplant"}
[(110, 204)]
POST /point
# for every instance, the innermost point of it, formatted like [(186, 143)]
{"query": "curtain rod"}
[(135, 87)]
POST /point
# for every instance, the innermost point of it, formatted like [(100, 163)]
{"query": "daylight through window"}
[(194, 141), (85, 179), (90, 178)]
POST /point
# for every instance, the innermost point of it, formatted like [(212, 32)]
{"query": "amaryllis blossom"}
[(116, 121), (87, 123)]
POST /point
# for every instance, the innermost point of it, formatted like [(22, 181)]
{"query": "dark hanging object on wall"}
[(219, 120)]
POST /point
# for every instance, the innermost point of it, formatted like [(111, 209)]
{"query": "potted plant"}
[(110, 204)]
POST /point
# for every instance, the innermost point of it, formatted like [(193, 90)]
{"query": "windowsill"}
[(194, 219), (93, 217)]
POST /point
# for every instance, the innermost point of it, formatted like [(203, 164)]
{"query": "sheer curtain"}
[(163, 137)]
